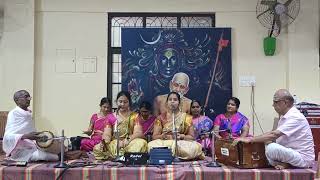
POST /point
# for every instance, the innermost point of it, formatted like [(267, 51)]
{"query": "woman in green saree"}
[(188, 148), (130, 131)]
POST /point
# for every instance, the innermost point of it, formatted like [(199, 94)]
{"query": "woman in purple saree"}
[(202, 125)]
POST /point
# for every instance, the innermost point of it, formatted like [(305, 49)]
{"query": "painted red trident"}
[(222, 44)]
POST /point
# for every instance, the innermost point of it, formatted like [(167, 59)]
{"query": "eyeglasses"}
[(28, 97), (177, 85), (276, 101)]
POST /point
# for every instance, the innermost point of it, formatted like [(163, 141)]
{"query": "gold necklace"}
[(124, 116), (178, 114), (101, 114), (169, 116)]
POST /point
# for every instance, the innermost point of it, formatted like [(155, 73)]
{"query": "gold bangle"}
[(108, 138), (164, 137)]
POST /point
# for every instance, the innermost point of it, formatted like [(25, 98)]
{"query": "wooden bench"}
[(3, 122)]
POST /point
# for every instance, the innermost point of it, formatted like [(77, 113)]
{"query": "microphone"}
[(149, 136), (213, 162), (62, 164), (229, 131), (116, 132), (171, 107), (175, 133), (44, 139), (117, 110)]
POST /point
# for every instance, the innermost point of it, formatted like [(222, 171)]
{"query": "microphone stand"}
[(205, 145), (116, 131), (213, 162), (62, 164), (175, 133), (229, 129)]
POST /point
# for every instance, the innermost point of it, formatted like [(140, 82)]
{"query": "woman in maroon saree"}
[(146, 119)]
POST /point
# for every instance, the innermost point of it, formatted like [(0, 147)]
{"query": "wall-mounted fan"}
[(276, 15)]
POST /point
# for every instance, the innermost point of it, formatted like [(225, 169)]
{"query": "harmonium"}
[(241, 155), (312, 113)]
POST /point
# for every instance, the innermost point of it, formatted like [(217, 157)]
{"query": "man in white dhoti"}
[(293, 138), (20, 133)]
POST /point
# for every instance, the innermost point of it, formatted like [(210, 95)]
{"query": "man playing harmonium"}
[(20, 133), (188, 148), (293, 144)]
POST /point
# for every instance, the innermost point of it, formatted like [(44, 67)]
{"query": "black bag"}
[(75, 143)]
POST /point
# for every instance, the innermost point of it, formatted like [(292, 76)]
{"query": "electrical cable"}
[(254, 111), (75, 165)]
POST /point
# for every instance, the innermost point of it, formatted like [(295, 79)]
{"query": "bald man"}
[(179, 84), (293, 144), (20, 133)]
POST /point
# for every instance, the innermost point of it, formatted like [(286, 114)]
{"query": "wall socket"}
[(247, 81)]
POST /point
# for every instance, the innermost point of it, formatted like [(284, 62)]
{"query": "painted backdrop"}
[(151, 57)]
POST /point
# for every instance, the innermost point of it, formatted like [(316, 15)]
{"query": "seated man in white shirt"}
[(20, 133), (293, 138)]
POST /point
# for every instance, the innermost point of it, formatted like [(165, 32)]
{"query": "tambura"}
[(47, 143)]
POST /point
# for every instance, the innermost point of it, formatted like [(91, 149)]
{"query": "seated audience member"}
[(96, 127), (188, 148), (20, 133), (202, 125), (293, 144), (145, 118), (130, 131), (231, 124)]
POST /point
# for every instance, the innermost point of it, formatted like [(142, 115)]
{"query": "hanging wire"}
[(253, 109)]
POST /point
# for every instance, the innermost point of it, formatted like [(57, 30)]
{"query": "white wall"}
[(303, 60), (66, 100), (16, 50)]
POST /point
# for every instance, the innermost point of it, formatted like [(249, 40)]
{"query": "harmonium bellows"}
[(241, 155)]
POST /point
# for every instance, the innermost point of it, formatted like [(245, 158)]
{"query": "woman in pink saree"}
[(97, 124), (232, 124)]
